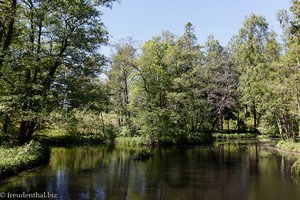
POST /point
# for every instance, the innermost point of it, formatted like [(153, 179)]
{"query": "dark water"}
[(222, 172)]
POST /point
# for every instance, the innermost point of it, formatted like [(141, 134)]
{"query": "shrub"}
[(289, 146), (296, 168), (17, 159)]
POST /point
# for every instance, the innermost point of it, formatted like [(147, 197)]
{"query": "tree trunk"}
[(126, 95), (26, 131), (238, 120), (245, 113), (214, 124), (103, 124), (221, 123), (279, 124), (287, 125), (6, 124), (228, 125), (254, 116)]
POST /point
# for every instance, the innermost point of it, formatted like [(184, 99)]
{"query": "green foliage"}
[(296, 167), (72, 140), (133, 141), (79, 127), (170, 90), (120, 75), (14, 160), (49, 60), (175, 88), (265, 138), (289, 146), (163, 86)]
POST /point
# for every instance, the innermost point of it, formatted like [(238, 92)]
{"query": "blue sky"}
[(143, 19)]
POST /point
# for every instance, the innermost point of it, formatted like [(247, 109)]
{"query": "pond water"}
[(220, 171)]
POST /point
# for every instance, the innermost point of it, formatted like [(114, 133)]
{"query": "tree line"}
[(170, 88)]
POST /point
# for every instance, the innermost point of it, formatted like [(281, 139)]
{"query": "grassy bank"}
[(180, 140), (13, 160), (233, 136), (72, 140), (65, 138), (133, 141), (194, 139), (293, 147), (296, 167), (288, 146)]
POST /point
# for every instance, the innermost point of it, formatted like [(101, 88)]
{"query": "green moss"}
[(17, 159)]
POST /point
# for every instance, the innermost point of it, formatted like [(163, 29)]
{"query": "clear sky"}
[(143, 19)]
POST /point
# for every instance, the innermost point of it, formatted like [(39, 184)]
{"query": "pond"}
[(220, 171)]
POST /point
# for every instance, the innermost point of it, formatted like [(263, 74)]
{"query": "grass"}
[(133, 141), (72, 140), (64, 138), (289, 146), (293, 147), (233, 136), (264, 138), (189, 139), (17, 159)]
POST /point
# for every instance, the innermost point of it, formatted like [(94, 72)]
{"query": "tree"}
[(122, 67), (46, 44), (249, 50), (222, 83), (167, 88), (287, 69), (150, 83)]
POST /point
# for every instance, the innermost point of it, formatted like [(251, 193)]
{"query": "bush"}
[(110, 132), (17, 159), (296, 168)]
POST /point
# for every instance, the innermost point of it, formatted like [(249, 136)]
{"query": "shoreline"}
[(39, 152), (15, 160)]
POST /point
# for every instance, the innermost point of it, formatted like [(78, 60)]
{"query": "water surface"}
[(221, 171)]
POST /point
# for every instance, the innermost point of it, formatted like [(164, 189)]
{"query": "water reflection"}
[(221, 171)]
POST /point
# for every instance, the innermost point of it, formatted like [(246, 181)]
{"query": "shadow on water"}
[(221, 171)]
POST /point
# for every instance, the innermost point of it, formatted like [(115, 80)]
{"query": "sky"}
[(143, 19)]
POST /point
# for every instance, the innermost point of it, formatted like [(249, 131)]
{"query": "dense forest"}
[(168, 89), (173, 87)]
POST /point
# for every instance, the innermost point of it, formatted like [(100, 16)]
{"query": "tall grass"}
[(289, 146)]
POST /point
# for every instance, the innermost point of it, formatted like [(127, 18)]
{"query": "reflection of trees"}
[(226, 171)]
